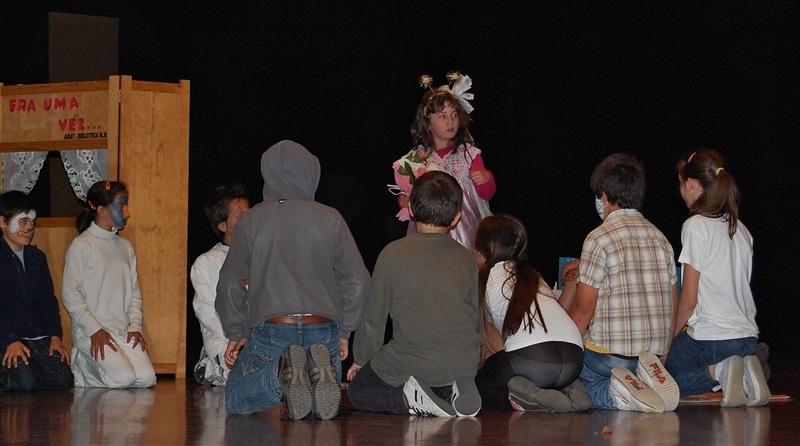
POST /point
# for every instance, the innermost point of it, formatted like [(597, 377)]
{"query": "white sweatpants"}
[(124, 368)]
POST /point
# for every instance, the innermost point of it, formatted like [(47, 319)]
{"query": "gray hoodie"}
[(298, 255)]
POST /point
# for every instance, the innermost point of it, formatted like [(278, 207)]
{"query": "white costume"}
[(205, 275), (100, 290)]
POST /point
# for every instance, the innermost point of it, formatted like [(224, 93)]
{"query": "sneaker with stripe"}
[(652, 372), (421, 400)]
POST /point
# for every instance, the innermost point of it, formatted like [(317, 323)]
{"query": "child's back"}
[(429, 285)]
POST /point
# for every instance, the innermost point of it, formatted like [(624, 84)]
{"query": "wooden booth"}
[(142, 129)]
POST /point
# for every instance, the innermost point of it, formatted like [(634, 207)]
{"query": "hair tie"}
[(491, 263), (522, 257), (718, 169), (108, 185), (91, 205), (690, 157)]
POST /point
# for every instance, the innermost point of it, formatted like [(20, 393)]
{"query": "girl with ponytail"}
[(716, 303)]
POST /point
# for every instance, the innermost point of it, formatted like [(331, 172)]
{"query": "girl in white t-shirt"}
[(716, 301), (542, 358)]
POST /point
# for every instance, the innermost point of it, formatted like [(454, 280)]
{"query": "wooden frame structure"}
[(145, 128)]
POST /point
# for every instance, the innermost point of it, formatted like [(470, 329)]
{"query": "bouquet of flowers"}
[(406, 170)]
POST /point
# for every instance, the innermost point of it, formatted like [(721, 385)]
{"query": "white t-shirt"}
[(560, 326), (725, 307)]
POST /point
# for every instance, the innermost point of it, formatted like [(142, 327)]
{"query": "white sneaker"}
[(652, 372), (731, 380), (630, 393), (755, 385), (421, 400)]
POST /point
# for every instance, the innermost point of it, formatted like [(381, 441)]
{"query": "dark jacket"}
[(28, 307)]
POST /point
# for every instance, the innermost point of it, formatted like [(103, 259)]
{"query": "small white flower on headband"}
[(458, 86)]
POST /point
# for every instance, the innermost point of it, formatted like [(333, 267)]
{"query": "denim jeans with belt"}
[(689, 359), (253, 384), (596, 376)]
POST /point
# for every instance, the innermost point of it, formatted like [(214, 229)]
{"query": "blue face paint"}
[(119, 211)]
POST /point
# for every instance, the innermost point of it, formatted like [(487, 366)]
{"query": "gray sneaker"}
[(755, 384), (466, 398), (525, 394), (731, 379), (294, 378), (325, 389)]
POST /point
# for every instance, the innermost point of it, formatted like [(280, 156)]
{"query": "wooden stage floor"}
[(181, 412)]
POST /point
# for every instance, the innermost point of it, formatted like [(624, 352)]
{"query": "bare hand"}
[(481, 176), (343, 348), (100, 339), (14, 352), (138, 338), (56, 346), (232, 352), (351, 373), (570, 271)]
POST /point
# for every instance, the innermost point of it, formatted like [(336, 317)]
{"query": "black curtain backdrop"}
[(558, 86)]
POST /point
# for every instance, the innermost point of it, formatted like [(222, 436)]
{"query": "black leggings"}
[(549, 365)]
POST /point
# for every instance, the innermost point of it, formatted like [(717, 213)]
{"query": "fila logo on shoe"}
[(634, 382), (658, 373)]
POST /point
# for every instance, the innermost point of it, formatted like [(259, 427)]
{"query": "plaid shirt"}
[(632, 265)]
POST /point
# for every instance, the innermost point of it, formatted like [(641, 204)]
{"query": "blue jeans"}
[(43, 372), (689, 359), (253, 384), (596, 376)]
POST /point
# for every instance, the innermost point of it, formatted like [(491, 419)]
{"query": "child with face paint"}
[(33, 356), (101, 294)]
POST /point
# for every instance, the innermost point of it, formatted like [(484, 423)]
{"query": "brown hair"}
[(502, 238), (720, 196), (434, 101)]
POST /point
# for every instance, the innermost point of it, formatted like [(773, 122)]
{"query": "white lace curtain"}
[(84, 168)]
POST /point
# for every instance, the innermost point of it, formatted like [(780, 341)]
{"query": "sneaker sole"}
[(663, 383), (576, 392), (298, 393), (415, 391), (733, 392), (752, 369), (327, 392), (466, 398), (645, 398), (550, 400)]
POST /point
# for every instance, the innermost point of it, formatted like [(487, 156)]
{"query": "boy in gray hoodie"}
[(307, 289)]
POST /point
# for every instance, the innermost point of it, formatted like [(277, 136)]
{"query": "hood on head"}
[(289, 171)]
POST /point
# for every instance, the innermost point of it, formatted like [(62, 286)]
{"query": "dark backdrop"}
[(558, 86)]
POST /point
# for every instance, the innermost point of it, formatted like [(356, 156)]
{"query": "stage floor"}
[(179, 411)]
